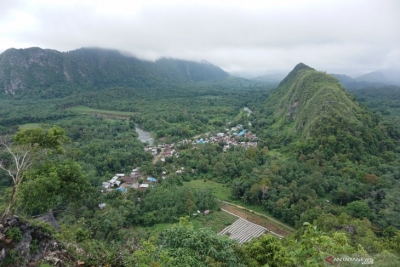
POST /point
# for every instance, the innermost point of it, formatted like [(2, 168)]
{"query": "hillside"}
[(39, 69), (373, 77), (313, 109), (345, 81), (319, 158)]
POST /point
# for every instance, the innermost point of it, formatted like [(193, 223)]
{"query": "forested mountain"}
[(272, 78), (345, 80), (373, 77), (39, 69), (313, 109)]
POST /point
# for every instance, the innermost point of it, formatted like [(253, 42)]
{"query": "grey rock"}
[(2, 256), (49, 218)]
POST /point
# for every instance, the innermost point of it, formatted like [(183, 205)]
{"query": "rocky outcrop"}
[(25, 244)]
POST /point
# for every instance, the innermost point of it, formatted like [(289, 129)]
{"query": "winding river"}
[(143, 135)]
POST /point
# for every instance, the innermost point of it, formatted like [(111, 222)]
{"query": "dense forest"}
[(324, 164)]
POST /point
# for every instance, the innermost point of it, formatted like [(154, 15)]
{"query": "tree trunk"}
[(10, 202)]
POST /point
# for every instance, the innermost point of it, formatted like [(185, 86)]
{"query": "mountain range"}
[(375, 78), (36, 68)]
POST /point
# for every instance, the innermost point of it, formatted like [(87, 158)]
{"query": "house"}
[(115, 178), (206, 212), (106, 185), (102, 205), (152, 179), (122, 189), (125, 185), (143, 186), (135, 173), (128, 180), (120, 175), (201, 141)]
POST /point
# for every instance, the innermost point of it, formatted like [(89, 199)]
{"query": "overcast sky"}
[(341, 36)]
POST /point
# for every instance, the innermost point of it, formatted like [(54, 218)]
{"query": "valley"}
[(300, 158)]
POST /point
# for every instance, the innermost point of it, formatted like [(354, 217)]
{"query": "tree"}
[(28, 147), (51, 184), (201, 247), (358, 209), (21, 160), (189, 202), (267, 249)]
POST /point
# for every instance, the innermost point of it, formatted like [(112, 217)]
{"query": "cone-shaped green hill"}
[(314, 112)]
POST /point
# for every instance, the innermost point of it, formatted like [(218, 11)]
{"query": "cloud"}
[(236, 35)]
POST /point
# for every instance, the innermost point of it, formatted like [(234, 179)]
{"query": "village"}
[(236, 136)]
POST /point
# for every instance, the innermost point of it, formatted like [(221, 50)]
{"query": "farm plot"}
[(243, 230)]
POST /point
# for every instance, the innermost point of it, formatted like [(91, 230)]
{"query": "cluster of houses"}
[(123, 182), (231, 137), (166, 150)]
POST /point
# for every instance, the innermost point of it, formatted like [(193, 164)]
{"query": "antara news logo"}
[(364, 261)]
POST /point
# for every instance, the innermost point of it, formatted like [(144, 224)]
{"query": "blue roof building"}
[(122, 189), (201, 141), (242, 132)]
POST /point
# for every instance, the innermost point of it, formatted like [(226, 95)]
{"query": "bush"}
[(12, 259), (34, 247), (15, 234)]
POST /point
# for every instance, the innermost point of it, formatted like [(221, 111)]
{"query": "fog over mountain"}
[(349, 37)]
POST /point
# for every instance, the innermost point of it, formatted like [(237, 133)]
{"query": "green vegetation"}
[(15, 234), (323, 164), (219, 190), (382, 100), (87, 110)]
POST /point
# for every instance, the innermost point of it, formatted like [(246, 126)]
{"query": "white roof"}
[(144, 185), (120, 175)]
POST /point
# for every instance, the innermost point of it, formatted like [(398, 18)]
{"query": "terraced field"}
[(274, 227), (243, 230)]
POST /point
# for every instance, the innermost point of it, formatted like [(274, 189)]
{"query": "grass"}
[(216, 221), (92, 111), (223, 192), (219, 190), (29, 125)]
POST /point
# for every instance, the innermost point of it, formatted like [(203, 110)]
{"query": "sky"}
[(251, 36)]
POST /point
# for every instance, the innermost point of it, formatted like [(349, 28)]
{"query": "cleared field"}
[(270, 223), (101, 112), (220, 191), (216, 221), (252, 213), (243, 231)]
